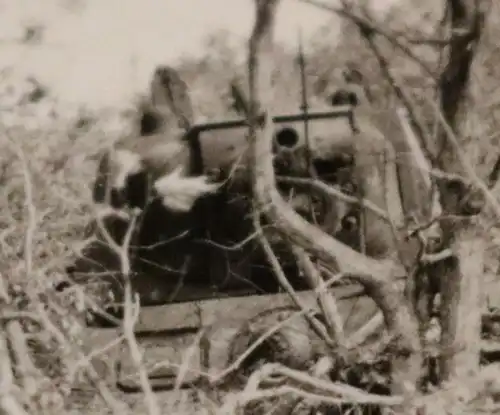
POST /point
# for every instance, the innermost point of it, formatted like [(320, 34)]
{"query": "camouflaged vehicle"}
[(201, 270)]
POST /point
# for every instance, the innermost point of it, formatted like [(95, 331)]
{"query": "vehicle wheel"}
[(294, 344)]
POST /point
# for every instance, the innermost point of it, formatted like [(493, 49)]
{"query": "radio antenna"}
[(304, 107), (305, 114), (304, 104)]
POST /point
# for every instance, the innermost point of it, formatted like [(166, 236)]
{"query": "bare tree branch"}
[(268, 199), (398, 316), (369, 27), (328, 306), (461, 297)]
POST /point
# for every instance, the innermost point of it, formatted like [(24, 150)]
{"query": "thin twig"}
[(326, 301), (318, 328), (369, 25), (131, 310), (336, 193), (466, 165), (306, 382), (215, 379)]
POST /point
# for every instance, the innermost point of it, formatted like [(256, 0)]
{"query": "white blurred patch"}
[(126, 164), (433, 333), (161, 158), (103, 211), (179, 192)]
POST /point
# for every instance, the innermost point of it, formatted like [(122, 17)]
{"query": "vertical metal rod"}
[(304, 104), (305, 109)]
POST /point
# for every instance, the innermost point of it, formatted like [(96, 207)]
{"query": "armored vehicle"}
[(202, 270)]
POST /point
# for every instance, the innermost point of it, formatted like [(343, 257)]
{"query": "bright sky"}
[(106, 50)]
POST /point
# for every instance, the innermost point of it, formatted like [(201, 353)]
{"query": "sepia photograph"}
[(249, 207)]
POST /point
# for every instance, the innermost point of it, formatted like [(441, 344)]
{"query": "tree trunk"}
[(461, 277), (377, 276)]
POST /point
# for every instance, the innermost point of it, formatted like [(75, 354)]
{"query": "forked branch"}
[(374, 275), (292, 226)]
